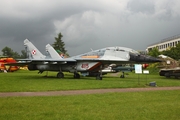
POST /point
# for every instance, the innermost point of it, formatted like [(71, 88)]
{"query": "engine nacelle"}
[(32, 67)]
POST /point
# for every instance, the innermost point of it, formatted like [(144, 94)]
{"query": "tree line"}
[(58, 45), (173, 52)]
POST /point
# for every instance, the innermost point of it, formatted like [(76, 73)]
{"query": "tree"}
[(59, 45), (154, 52), (23, 54), (177, 51), (167, 53), (16, 55), (10, 53), (7, 52), (173, 52)]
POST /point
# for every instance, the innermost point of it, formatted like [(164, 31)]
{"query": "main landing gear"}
[(60, 75), (99, 77), (76, 75)]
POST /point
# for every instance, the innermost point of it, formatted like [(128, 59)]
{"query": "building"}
[(165, 43)]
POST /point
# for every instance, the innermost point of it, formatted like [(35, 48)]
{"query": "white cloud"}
[(96, 23)]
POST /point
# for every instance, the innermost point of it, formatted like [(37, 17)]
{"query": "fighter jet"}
[(54, 55), (93, 61)]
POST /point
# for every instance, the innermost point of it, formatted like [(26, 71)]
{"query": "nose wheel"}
[(98, 77)]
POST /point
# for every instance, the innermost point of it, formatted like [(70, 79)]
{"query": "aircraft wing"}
[(103, 60), (21, 64)]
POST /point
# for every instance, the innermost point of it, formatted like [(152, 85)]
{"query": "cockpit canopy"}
[(100, 52)]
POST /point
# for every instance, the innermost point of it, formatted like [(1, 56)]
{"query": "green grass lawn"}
[(151, 105), (31, 81), (159, 105)]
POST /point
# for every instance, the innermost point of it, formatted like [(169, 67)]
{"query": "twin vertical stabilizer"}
[(52, 52), (32, 51)]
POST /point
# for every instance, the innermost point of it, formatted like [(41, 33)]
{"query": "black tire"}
[(98, 77), (167, 75), (176, 76), (60, 75), (76, 75), (162, 73)]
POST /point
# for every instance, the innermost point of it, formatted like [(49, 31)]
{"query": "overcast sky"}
[(88, 24)]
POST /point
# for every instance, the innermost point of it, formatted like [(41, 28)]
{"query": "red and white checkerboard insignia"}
[(33, 52)]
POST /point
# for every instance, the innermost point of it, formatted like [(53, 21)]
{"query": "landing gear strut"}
[(122, 76), (60, 75), (99, 77), (40, 72)]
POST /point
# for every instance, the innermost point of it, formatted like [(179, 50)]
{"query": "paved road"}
[(78, 92)]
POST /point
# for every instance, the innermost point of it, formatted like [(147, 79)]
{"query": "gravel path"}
[(78, 92)]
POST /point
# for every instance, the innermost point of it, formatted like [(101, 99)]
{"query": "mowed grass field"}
[(23, 81), (161, 105), (152, 105)]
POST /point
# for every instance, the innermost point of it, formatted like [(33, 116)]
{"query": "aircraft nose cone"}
[(153, 59), (144, 59)]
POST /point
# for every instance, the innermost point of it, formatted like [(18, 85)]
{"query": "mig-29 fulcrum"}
[(93, 61)]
